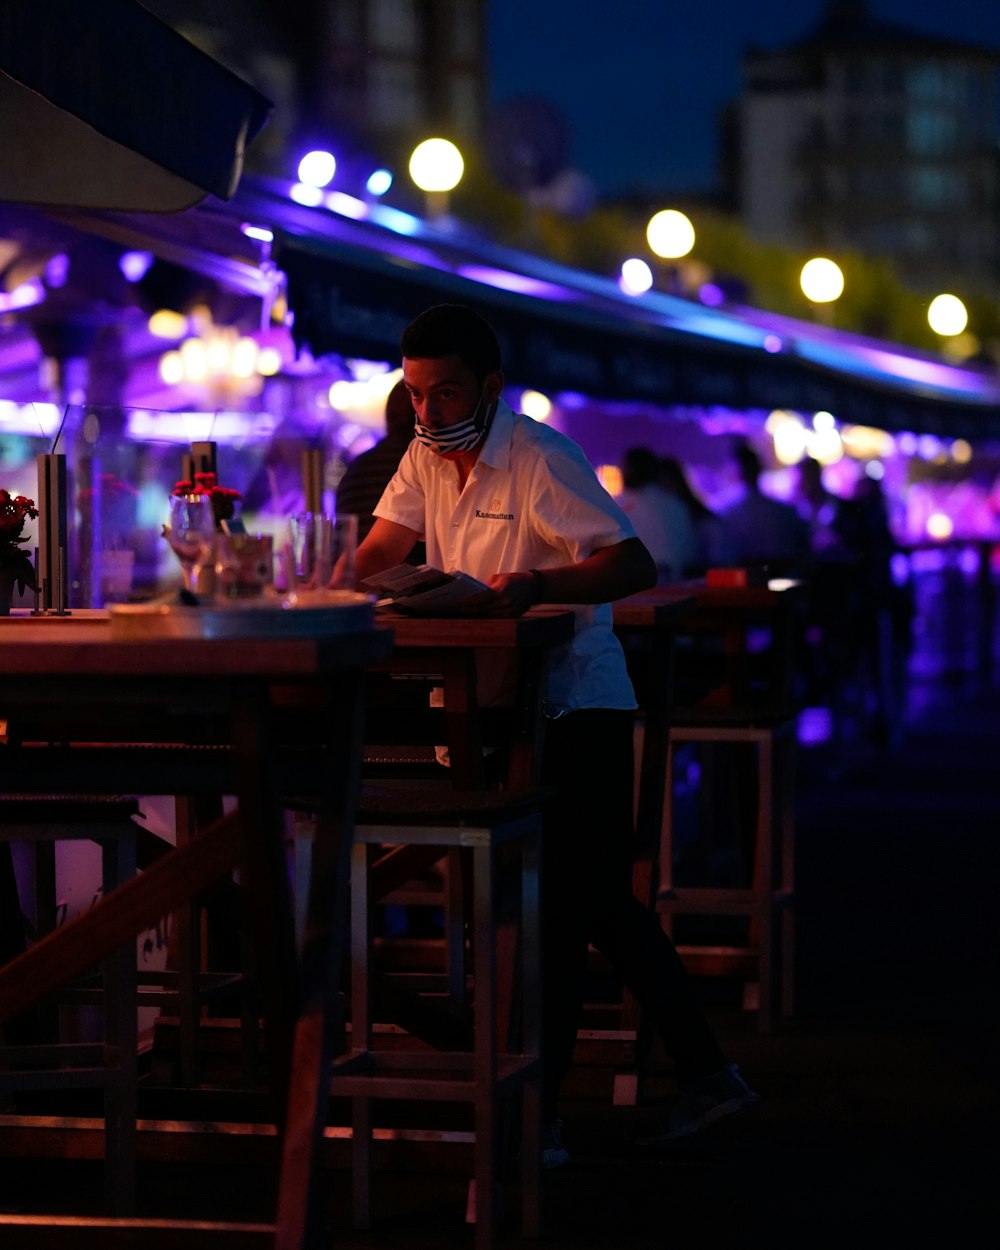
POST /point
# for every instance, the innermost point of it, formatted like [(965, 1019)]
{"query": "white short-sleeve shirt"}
[(532, 501)]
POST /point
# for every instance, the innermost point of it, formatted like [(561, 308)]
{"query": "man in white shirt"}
[(516, 505)]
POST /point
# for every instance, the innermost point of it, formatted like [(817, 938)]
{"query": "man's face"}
[(444, 391)]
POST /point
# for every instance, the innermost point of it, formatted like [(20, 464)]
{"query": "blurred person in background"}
[(822, 511), (661, 520), (367, 475), (885, 620), (715, 547), (764, 531)]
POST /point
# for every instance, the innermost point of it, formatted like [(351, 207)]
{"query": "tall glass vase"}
[(8, 579)]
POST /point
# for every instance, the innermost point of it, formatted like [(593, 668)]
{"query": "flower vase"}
[(205, 587), (8, 579)]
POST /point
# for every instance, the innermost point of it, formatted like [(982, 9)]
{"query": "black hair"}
[(749, 463), (453, 330), (640, 467), (674, 478), (399, 411)]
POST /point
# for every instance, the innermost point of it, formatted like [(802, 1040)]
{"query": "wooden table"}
[(68, 674), (445, 649), (722, 615)]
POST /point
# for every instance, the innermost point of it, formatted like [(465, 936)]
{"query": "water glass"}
[(320, 552), (191, 534), (244, 565)]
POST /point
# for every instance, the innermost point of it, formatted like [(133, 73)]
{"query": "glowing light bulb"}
[(940, 526), (167, 324), (436, 165), (822, 280), (636, 276), (379, 182), (947, 315), (536, 405), (670, 234), (316, 169), (171, 368)]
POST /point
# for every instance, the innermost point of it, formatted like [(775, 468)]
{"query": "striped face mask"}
[(463, 436)]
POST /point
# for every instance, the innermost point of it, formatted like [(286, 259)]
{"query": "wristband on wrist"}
[(537, 587)]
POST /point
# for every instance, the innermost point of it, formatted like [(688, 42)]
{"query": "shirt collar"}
[(496, 449)]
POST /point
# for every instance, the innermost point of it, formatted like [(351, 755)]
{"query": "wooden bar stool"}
[(46, 1063), (770, 896), (750, 709), (504, 1058)]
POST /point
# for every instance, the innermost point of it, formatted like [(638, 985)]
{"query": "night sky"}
[(641, 82)]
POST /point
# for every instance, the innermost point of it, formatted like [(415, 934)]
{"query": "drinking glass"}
[(319, 554), (191, 534), (244, 566)]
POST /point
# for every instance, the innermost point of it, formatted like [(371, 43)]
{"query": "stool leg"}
[(361, 1117), (25, 1029), (788, 876), (454, 926), (186, 943), (485, 1061), (45, 922), (764, 880), (665, 874), (121, 1038), (531, 1020)]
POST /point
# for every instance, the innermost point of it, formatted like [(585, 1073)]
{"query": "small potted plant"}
[(224, 498), (15, 566), (192, 531)]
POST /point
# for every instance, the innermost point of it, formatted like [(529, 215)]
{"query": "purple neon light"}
[(347, 205), (506, 280), (135, 265), (24, 296)]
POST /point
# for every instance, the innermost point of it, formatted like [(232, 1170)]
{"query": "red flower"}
[(108, 488), (224, 498), (14, 511)]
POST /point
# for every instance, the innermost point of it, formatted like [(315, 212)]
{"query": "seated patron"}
[(764, 531), (660, 519)]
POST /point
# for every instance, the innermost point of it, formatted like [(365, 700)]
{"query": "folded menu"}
[(424, 590)]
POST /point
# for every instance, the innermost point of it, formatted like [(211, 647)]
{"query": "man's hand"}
[(510, 594)]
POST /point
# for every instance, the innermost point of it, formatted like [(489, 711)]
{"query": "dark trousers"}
[(587, 898)]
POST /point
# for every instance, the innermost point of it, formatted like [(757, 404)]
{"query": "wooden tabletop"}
[(81, 644), (650, 610), (539, 627), (705, 596)]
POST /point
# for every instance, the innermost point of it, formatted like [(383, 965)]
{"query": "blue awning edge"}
[(102, 105)]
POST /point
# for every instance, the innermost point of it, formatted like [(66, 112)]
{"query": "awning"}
[(357, 273), (353, 289), (104, 106)]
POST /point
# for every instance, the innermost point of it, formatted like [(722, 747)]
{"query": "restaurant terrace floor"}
[(880, 1097)]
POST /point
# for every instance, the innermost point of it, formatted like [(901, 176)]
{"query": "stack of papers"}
[(424, 590)]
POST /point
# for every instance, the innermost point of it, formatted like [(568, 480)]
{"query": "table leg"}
[(324, 947)]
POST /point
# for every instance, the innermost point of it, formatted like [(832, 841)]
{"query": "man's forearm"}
[(387, 544), (610, 573)]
